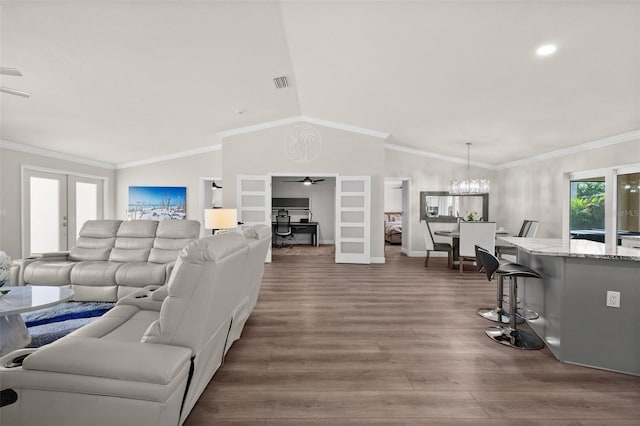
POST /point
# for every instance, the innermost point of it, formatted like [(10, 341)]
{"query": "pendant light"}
[(469, 186)]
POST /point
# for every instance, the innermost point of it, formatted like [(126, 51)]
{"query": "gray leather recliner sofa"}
[(112, 258), (147, 360)]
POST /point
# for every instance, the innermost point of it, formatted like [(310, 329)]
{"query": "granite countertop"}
[(573, 248)]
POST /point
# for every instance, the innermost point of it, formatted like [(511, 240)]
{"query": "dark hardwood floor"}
[(395, 344)]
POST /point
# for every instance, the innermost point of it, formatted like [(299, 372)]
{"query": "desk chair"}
[(283, 229), (474, 234), (431, 245)]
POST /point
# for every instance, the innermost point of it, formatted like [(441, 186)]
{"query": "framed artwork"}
[(157, 202)]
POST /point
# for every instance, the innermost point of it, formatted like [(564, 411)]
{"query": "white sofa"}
[(112, 258), (146, 361)]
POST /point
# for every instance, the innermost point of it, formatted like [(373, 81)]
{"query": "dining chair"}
[(431, 245), (474, 234), (528, 229), (532, 230)]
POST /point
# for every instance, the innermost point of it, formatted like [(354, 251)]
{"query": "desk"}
[(13, 331), (303, 228)]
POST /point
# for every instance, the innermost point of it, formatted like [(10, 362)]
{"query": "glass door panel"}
[(55, 205), (45, 212), (628, 207), (587, 213), (85, 203)]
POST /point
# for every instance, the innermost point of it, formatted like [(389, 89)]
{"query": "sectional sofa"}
[(147, 360), (111, 259)]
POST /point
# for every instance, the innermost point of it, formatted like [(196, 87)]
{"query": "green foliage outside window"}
[(587, 205)]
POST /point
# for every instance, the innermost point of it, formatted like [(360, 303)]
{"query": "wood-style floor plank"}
[(395, 344)]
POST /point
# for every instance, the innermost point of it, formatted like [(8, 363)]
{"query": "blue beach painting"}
[(157, 202)]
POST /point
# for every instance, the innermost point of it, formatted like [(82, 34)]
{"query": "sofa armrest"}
[(168, 270), (111, 359), (59, 255), (16, 273), (145, 298)]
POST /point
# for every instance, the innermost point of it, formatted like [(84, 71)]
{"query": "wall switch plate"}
[(613, 299)]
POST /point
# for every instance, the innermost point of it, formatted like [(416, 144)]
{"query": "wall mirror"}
[(440, 206)]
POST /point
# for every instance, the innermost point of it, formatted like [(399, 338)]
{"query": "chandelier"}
[(469, 186)]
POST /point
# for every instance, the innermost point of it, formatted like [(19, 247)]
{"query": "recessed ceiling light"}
[(546, 49)]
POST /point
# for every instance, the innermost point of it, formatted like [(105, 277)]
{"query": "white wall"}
[(322, 203), (345, 153), (184, 171), (10, 162), (393, 196), (428, 174), (535, 191)]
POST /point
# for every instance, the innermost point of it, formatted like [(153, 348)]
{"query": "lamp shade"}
[(220, 218)]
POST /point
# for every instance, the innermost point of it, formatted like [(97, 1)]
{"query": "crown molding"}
[(304, 119), (173, 156), (428, 154), (346, 127), (29, 149), (600, 143), (261, 126)]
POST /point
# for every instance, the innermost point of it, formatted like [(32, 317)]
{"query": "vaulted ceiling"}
[(121, 81)]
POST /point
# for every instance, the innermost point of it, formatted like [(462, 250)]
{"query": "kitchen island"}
[(571, 299)]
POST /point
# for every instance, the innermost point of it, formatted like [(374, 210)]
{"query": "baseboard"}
[(423, 253), (376, 259), (332, 242)]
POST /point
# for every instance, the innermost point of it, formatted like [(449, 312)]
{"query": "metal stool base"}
[(492, 315), (520, 339), (528, 314)]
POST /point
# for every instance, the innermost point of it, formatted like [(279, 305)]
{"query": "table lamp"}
[(220, 219)]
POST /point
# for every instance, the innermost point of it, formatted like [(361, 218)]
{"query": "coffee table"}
[(13, 331)]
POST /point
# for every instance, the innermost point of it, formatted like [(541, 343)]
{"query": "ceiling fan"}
[(13, 72), (306, 181)]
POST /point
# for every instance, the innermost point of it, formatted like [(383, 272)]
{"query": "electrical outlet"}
[(613, 299)]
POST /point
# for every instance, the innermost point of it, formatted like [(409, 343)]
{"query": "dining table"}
[(455, 241)]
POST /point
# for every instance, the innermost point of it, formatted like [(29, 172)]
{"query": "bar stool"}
[(510, 335), (497, 314)]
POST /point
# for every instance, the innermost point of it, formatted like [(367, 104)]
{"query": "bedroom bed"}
[(393, 227)]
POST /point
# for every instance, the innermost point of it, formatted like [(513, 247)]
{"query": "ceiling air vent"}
[(281, 82)]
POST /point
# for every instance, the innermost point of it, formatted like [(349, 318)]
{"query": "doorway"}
[(397, 223), (303, 214), (55, 205)]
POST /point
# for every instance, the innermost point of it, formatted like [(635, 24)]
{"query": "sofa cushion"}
[(140, 274), (171, 237), (95, 240), (95, 293), (134, 241), (178, 229), (166, 250), (81, 253), (138, 228), (124, 323), (48, 273), (100, 228), (95, 273)]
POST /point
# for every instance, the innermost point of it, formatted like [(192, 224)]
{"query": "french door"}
[(254, 201), (54, 208), (353, 222)]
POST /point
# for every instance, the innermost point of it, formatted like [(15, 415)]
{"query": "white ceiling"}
[(124, 81)]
